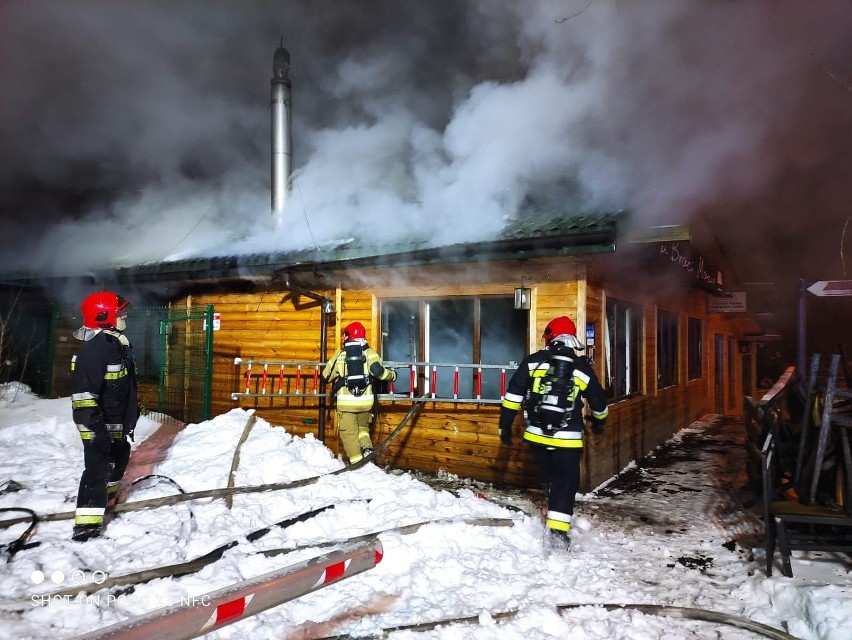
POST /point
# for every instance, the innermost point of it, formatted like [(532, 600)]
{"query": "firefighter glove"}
[(506, 436), (392, 375), (597, 426)]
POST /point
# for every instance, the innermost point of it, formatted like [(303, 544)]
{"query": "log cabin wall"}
[(637, 424), (272, 325), (277, 326)]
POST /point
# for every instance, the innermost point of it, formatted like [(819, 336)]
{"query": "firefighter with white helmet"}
[(550, 385), (351, 371), (104, 406)]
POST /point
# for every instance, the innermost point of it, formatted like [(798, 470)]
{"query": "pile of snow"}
[(666, 546)]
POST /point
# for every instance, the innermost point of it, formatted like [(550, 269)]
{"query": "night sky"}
[(139, 131)]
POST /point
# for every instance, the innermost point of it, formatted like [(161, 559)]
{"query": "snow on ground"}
[(668, 531)]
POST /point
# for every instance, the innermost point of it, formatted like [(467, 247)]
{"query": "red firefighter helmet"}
[(354, 331), (100, 309), (558, 327)]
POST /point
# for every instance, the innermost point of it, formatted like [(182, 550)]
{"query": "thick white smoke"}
[(139, 131)]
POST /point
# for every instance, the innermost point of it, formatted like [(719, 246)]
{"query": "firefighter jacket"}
[(103, 386), (335, 371), (530, 387)]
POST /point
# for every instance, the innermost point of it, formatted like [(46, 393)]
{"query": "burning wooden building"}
[(453, 320)]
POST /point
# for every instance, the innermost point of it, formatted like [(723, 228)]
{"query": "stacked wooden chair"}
[(803, 524)]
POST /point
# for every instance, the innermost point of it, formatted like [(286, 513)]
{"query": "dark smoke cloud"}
[(139, 131)]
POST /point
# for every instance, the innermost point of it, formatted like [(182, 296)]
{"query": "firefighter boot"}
[(84, 532), (558, 540)]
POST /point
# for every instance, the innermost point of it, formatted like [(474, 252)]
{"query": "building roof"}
[(536, 234), (530, 237)]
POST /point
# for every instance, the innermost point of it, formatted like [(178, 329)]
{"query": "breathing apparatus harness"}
[(553, 396), (356, 378)]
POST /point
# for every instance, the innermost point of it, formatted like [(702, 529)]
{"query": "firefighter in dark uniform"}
[(104, 405), (550, 384), (351, 372)]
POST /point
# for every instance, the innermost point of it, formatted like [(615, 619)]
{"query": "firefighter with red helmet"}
[(351, 371), (104, 406), (550, 385)]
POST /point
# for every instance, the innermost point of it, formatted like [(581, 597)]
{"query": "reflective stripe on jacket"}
[(524, 390), (335, 372), (103, 386)]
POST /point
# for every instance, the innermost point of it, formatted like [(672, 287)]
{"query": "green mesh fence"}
[(173, 349), (27, 342), (186, 363)]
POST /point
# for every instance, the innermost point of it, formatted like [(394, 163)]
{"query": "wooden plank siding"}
[(277, 326), (273, 326)]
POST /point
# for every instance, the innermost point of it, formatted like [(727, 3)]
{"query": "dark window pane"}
[(667, 349), (503, 341), (694, 355), (623, 349), (451, 341), (458, 331), (401, 331)]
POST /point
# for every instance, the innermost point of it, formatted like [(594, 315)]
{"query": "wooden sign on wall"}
[(682, 256)]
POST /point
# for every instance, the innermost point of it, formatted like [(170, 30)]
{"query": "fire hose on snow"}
[(253, 596), (687, 613)]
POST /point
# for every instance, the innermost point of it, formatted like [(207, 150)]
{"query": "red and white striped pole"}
[(264, 378), (198, 615), (248, 377), (456, 384)]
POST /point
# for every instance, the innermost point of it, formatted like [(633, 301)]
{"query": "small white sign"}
[(831, 288), (733, 302), (217, 322)]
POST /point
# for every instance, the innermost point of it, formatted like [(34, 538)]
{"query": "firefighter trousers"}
[(354, 430), (105, 459), (560, 470)]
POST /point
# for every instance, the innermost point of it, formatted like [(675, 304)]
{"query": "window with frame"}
[(667, 329), (623, 349), (694, 351), (472, 330)]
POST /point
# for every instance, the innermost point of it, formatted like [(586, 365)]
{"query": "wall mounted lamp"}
[(523, 296)]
